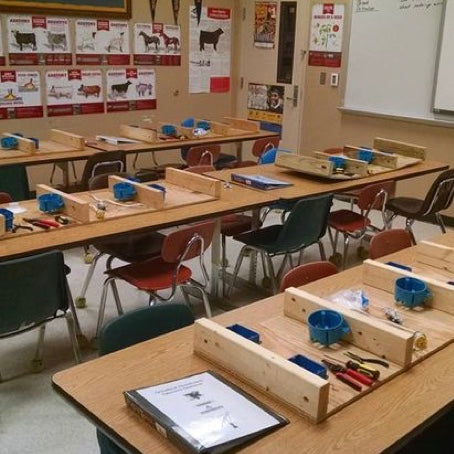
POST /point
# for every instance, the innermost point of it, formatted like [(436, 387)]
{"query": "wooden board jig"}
[(383, 276), (195, 182), (435, 255), (137, 133), (402, 148)]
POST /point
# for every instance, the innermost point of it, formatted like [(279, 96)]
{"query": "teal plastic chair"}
[(14, 181), (134, 327), (305, 225), (33, 292)]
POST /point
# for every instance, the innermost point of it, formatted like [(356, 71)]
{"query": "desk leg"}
[(253, 254), (239, 151), (216, 259)]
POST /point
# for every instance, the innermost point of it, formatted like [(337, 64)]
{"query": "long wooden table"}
[(384, 419)]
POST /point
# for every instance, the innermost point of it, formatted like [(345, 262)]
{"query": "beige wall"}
[(174, 101)]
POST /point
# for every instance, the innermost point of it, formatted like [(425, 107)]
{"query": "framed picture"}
[(100, 8)]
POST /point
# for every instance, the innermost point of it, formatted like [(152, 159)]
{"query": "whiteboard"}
[(444, 86), (392, 57)]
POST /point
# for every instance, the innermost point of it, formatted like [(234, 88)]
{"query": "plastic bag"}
[(351, 298)]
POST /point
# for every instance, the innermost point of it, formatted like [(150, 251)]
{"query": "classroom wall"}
[(173, 100)]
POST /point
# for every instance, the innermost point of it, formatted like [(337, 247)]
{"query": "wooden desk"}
[(382, 419)]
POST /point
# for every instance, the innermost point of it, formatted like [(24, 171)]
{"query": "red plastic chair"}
[(166, 271), (355, 225), (389, 241), (5, 197), (309, 272), (203, 155)]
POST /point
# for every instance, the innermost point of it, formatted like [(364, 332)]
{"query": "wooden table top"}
[(141, 147), (382, 419)]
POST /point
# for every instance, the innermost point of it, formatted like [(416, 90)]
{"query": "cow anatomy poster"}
[(131, 89), (102, 41), (39, 40), (20, 94), (209, 50), (157, 44), (74, 92)]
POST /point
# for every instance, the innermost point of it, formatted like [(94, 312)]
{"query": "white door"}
[(259, 68)]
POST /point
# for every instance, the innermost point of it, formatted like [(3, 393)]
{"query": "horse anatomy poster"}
[(131, 89), (102, 42), (209, 50), (157, 44), (38, 40), (74, 92), (20, 95)]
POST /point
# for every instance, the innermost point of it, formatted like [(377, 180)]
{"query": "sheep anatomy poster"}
[(102, 42), (74, 92), (209, 50), (131, 89), (20, 95), (38, 40), (157, 44)]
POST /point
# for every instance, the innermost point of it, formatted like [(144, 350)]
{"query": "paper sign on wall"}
[(34, 40), (74, 92), (265, 24), (157, 44), (20, 95), (325, 46), (102, 41), (265, 103), (209, 50), (131, 89)]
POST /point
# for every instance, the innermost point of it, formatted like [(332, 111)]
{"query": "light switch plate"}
[(334, 81)]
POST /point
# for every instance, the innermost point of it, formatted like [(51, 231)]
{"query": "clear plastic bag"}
[(351, 298)]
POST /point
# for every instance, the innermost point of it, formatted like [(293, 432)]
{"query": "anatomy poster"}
[(209, 50), (74, 92), (37, 40), (265, 24), (265, 103), (20, 95), (131, 89), (325, 46), (102, 41), (157, 44)]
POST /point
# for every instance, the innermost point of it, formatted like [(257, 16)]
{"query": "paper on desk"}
[(207, 409), (113, 140), (15, 208)]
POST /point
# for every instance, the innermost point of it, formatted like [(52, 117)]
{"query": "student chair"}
[(305, 225), (307, 273), (5, 197), (389, 241), (166, 271), (33, 292), (355, 225), (259, 149), (193, 155), (14, 181), (438, 198), (130, 247), (134, 327)]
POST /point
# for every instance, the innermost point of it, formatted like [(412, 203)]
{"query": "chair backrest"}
[(5, 197), (309, 272), (102, 181), (32, 289), (14, 181), (334, 150), (369, 198), (440, 194), (306, 223), (203, 155), (262, 145), (143, 324), (389, 241), (187, 242), (103, 162)]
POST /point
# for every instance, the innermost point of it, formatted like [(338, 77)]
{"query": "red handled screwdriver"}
[(341, 374)]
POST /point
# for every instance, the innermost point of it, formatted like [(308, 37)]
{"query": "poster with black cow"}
[(157, 44), (102, 42), (38, 40), (20, 94), (130, 89), (74, 92), (209, 50)]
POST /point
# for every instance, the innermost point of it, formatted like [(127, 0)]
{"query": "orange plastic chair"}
[(309, 272), (389, 241), (166, 271), (203, 155)]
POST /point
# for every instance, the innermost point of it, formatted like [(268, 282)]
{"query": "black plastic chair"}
[(33, 292), (438, 198), (134, 327), (305, 225), (14, 181)]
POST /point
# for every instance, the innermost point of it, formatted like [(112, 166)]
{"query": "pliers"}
[(366, 360), (43, 223), (16, 227), (347, 376)]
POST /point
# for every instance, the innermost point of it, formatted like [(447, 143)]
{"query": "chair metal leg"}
[(37, 361), (272, 275), (206, 301), (344, 258), (102, 305), (185, 296), (281, 269), (80, 300), (322, 250), (117, 297), (265, 271), (441, 222), (408, 227), (300, 257), (238, 263), (72, 336), (224, 263)]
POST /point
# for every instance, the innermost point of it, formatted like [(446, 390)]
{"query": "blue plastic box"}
[(310, 365), (245, 332)]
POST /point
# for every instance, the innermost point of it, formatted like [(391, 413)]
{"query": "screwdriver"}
[(341, 374), (363, 369), (361, 378)]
